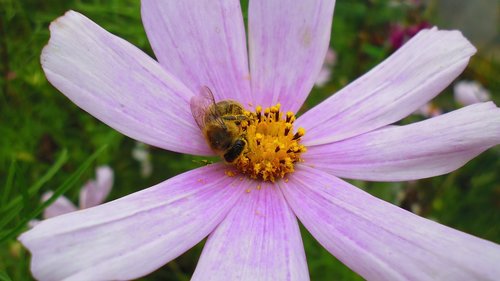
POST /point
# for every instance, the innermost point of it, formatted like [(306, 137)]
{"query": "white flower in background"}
[(326, 70), (142, 155), (93, 193), (429, 110), (470, 92)]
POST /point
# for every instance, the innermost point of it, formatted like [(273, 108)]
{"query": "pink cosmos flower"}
[(252, 226), (93, 193)]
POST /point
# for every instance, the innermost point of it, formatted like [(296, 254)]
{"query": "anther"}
[(266, 112), (258, 112), (299, 134), (288, 127)]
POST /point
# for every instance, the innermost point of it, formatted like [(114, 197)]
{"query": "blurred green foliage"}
[(38, 126)]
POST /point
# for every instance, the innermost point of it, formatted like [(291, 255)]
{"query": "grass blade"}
[(70, 182), (44, 179), (8, 183), (10, 216)]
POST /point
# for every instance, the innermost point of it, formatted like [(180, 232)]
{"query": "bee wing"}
[(203, 105)]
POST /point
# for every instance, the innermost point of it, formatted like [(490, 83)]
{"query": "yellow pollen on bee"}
[(272, 145)]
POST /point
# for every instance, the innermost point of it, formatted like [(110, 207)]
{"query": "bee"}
[(220, 124)]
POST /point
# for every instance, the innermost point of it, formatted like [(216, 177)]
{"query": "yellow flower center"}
[(272, 146)]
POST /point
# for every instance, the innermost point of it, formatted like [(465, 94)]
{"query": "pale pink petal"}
[(132, 236), (330, 58), (470, 92), (61, 206), (425, 149), (141, 153), (323, 76), (94, 192), (380, 241), (258, 240), (33, 223), (429, 110), (326, 70), (202, 42), (120, 85), (287, 41), (408, 79)]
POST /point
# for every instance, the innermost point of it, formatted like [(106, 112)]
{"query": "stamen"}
[(271, 149), (299, 134), (258, 111)]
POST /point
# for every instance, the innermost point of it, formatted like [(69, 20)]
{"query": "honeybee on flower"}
[(220, 123)]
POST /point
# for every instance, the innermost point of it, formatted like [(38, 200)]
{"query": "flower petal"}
[(381, 241), (95, 192), (258, 240), (202, 42), (120, 85), (288, 41), (429, 148), (61, 206), (132, 236), (470, 92), (33, 223), (400, 85)]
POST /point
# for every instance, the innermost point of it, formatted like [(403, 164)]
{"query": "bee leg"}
[(235, 151), (234, 117)]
